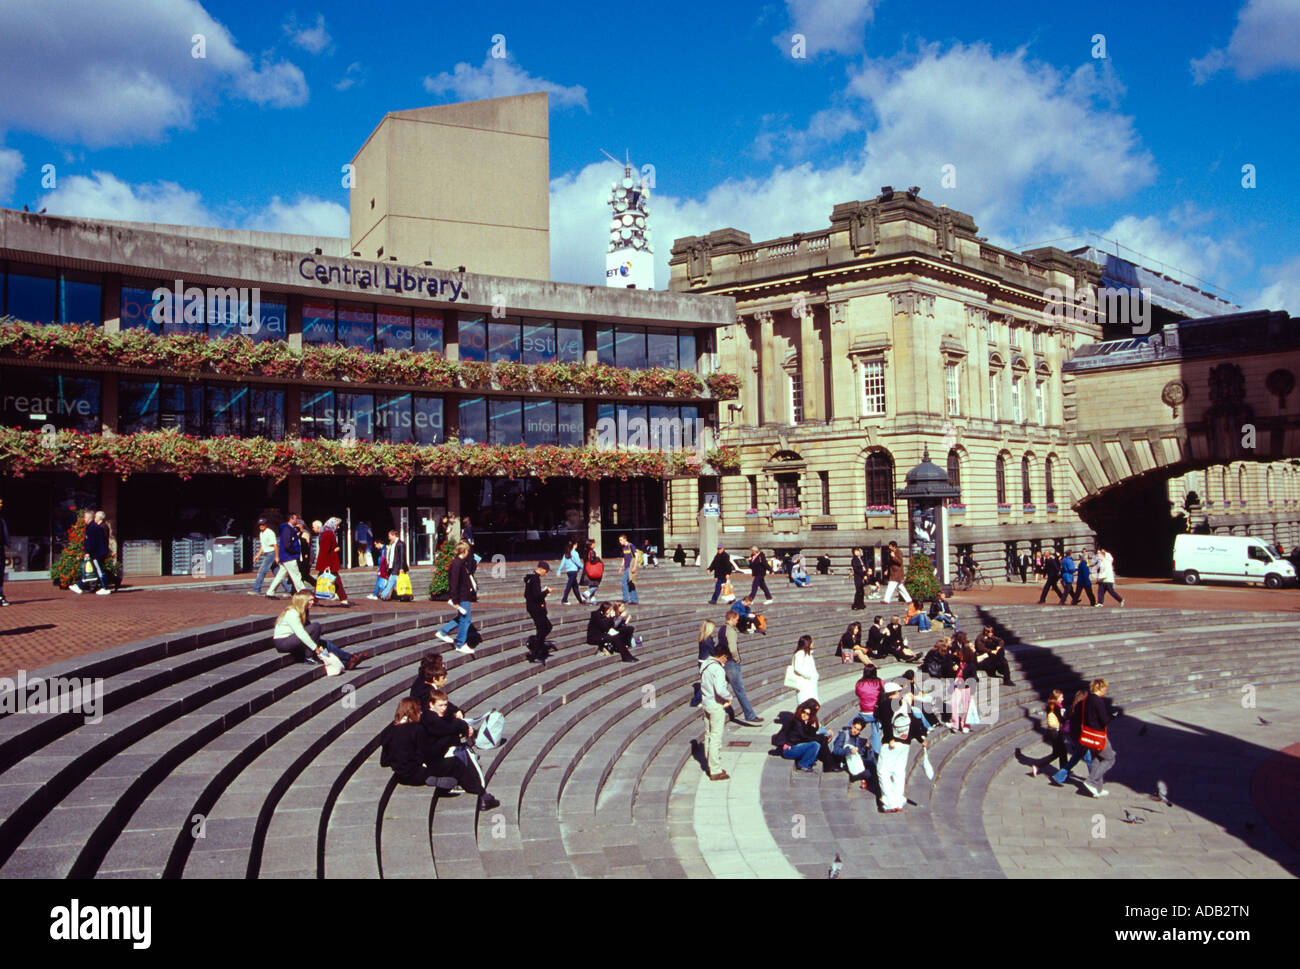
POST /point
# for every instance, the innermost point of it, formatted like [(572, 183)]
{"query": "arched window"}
[(954, 468), (880, 479), (1049, 491), (1027, 491), (1002, 480)]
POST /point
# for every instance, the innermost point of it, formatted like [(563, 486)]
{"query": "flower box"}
[(1029, 509), (785, 513), (1004, 509), (1052, 506), (751, 512), (880, 511), (956, 509)]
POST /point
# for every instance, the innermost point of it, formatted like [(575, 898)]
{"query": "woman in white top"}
[(296, 634), (1106, 577), (805, 670)]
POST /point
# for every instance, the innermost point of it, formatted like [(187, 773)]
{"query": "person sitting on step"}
[(444, 732), (803, 740), (602, 634)]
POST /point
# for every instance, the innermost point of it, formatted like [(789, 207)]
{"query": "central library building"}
[(464, 185)]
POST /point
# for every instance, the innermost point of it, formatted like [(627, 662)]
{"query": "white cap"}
[(892, 687)]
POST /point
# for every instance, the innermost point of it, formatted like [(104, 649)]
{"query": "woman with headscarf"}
[(327, 557)]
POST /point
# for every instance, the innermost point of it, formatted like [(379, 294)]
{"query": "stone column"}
[(295, 492), (811, 366), (841, 400), (110, 303), (768, 410), (293, 325)]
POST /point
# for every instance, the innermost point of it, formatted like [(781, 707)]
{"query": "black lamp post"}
[(927, 515)]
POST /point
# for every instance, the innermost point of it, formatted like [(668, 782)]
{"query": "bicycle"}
[(967, 579)]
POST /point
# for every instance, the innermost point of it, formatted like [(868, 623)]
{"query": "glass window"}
[(1001, 480), (79, 302), (606, 426), (993, 395), (180, 408), (825, 478), (428, 329), (189, 316), (503, 341), (31, 297), (874, 380), (1017, 408), (539, 341), (393, 418), (1049, 489), (1040, 402), (269, 320), (225, 410), (32, 400), (1027, 491), (265, 413), (539, 422), (633, 426), (605, 344), (392, 328), (880, 479), (155, 405), (661, 348), (137, 406), (666, 428), (796, 392), (137, 310), (629, 347), (354, 416), (473, 420), (427, 418), (317, 321), (316, 414), (686, 349), (505, 421), (954, 469), (569, 430), (357, 325), (787, 491), (692, 427), (953, 387), (569, 343), (473, 338)]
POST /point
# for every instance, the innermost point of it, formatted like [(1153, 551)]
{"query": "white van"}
[(1230, 558)]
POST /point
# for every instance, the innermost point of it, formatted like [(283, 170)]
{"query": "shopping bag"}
[(853, 761), (403, 592), (325, 586), (791, 680), (973, 714), (333, 665), (926, 765)]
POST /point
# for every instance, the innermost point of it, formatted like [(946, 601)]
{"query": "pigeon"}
[(1162, 793), (1133, 818), (1262, 721), (836, 867)]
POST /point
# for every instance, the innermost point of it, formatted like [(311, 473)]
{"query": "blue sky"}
[(1145, 146)]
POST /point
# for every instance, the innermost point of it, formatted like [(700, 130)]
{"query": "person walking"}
[(328, 557), (1083, 580), (1068, 729), (715, 699), (1052, 575), (288, 553), (859, 567), (729, 637), (570, 570), (467, 532), (627, 569), (803, 667), (460, 593), (593, 569), (721, 567), (1053, 718), (1024, 567), (535, 602), (1069, 571), (365, 539), (894, 574), (759, 568), (1091, 732), (265, 557), (1106, 578), (96, 551), (4, 557)]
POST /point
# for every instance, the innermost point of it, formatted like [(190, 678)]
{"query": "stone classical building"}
[(894, 329)]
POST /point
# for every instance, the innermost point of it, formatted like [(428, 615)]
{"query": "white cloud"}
[(355, 74), (1283, 289), (1266, 39), (11, 166), (304, 216), (828, 26), (112, 73), (105, 196), (314, 39), (499, 78)]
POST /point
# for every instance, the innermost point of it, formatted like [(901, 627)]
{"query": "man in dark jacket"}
[(96, 551), (1024, 567), (288, 552), (602, 634), (859, 566), (876, 638), (759, 567), (721, 567), (460, 592), (991, 655), (444, 731), (1083, 581), (1052, 572), (535, 601)]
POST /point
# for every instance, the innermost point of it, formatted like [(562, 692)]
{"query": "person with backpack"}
[(460, 592), (1053, 718), (594, 569), (715, 699), (571, 570), (802, 740), (721, 567), (535, 602), (891, 767)]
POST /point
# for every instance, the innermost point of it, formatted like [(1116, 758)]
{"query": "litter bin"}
[(221, 556)]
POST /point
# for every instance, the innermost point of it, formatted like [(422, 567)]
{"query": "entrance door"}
[(426, 523)]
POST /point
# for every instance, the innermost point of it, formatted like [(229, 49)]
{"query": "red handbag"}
[(1092, 739)]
